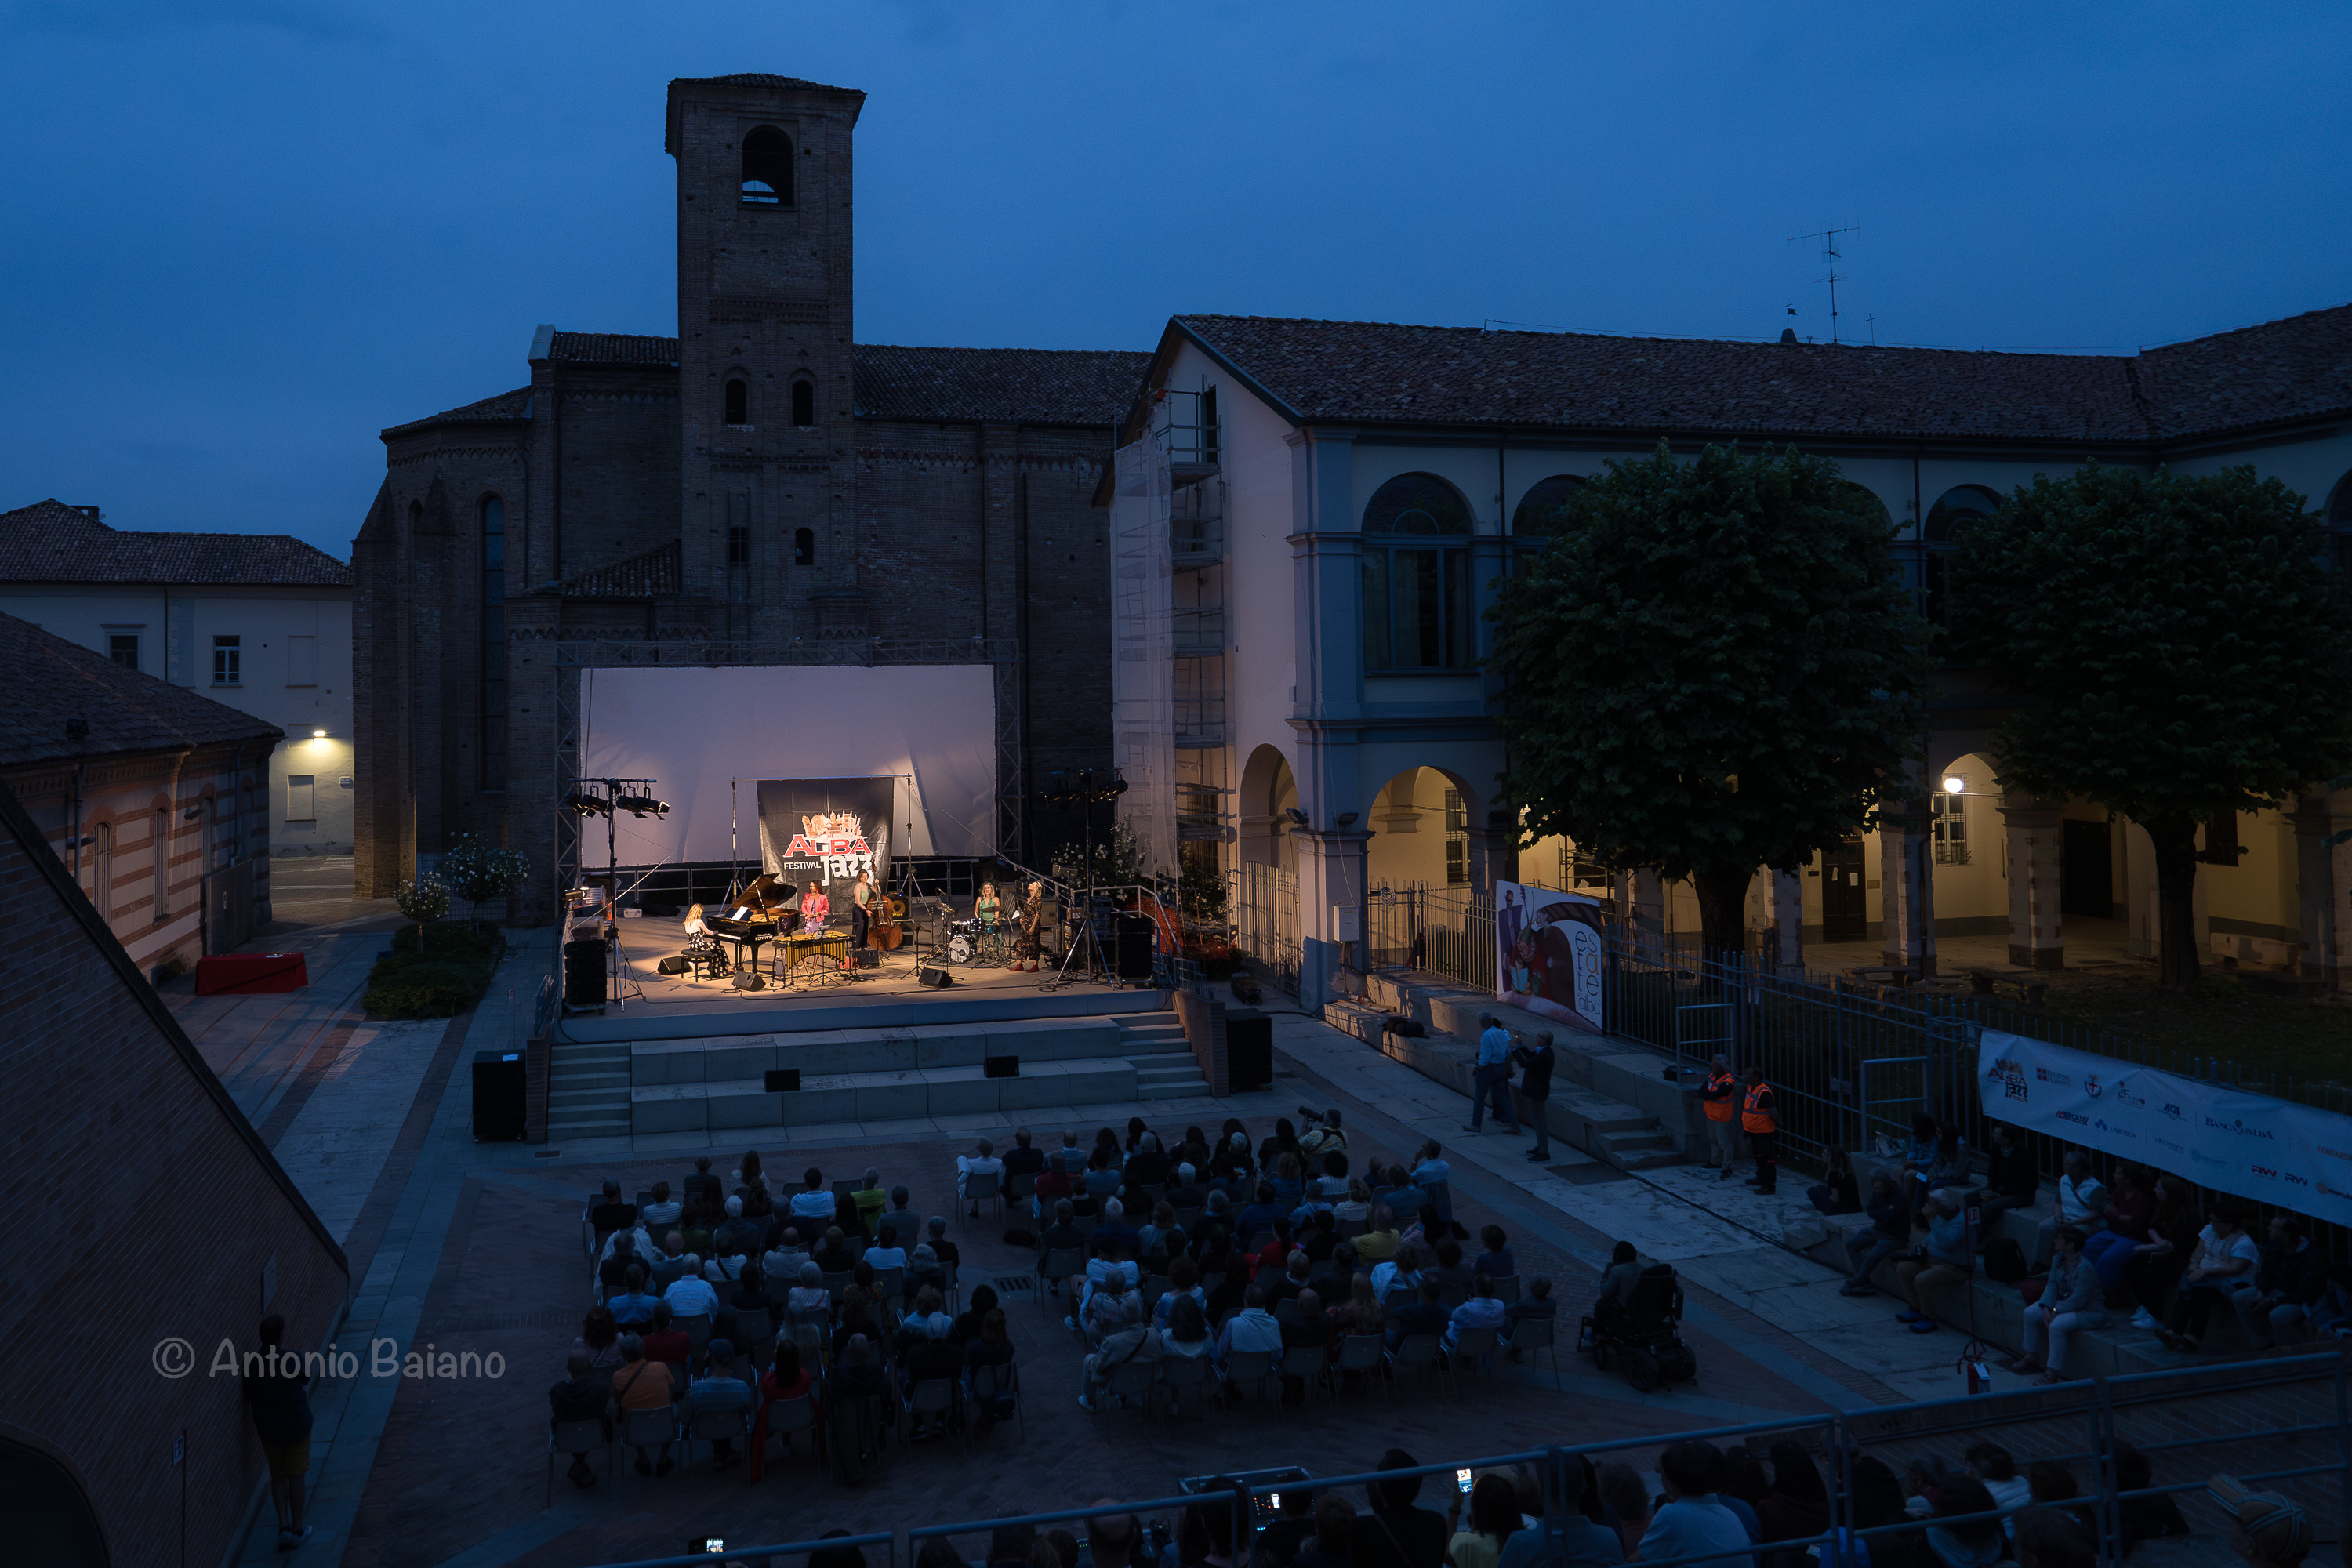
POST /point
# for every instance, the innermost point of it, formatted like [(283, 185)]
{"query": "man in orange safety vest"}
[(1721, 1098), (1761, 1122)]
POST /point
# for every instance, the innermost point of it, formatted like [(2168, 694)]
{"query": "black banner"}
[(826, 831)]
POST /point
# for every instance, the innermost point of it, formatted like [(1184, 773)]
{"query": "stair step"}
[(581, 1077), (598, 1126), (577, 1097)]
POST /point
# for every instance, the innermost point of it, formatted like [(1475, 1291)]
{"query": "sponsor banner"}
[(1547, 954), (2249, 1145), (826, 831)]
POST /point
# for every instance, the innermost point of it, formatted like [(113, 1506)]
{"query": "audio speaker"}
[(865, 957), (499, 1097), (583, 973), (1249, 1049), (784, 1080), (1132, 948), (938, 978), (675, 963), (750, 980), (1000, 1066)]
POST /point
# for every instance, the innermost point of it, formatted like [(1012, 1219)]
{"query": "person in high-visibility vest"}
[(1761, 1122), (1721, 1096)]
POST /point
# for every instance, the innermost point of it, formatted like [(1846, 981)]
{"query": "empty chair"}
[(697, 1332), (1359, 1352), (1056, 1266), (1188, 1219), (1254, 1368), (575, 1438), (714, 1424), (1305, 1362), (1473, 1346), (1351, 1228), (650, 1428), (1020, 1187), (932, 1399), (891, 1283), (834, 1284), (1154, 1286), (1529, 1335), (998, 1386), (755, 1332)]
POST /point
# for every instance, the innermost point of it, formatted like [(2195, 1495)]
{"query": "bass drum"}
[(960, 949)]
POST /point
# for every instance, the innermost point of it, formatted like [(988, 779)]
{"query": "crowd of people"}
[(2146, 1250)]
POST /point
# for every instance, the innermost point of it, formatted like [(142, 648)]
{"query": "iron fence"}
[(1268, 928)]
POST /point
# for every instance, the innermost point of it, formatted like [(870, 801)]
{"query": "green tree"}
[(2178, 652), (1711, 667), (478, 872)]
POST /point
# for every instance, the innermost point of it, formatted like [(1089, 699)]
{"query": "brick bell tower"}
[(768, 503)]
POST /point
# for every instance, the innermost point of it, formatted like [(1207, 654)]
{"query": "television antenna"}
[(1830, 256)]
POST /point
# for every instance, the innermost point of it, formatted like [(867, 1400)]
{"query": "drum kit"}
[(974, 941)]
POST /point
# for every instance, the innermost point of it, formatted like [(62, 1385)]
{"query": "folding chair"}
[(891, 1283), (1132, 1380), (1529, 1335), (991, 1383), (933, 1397), (1359, 1352), (713, 1424), (650, 1429), (576, 1439), (1253, 1367), (1307, 1364), (1021, 1186), (1475, 1346), (980, 1188), (1056, 1266), (786, 1416), (1179, 1373), (1418, 1349)]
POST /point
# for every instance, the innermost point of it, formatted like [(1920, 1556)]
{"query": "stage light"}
[(1345, 820), (1294, 815), (587, 805), (641, 806)]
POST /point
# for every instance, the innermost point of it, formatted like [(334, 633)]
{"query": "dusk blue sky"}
[(245, 235)]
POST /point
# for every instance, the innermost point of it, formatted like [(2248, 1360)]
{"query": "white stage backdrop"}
[(695, 729)]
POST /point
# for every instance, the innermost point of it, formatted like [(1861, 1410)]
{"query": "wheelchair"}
[(1643, 1335)]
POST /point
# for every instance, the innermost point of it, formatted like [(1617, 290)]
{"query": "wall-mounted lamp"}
[(1954, 784), (1294, 815), (1345, 820), (318, 734)]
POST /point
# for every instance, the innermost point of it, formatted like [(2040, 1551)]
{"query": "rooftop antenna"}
[(1873, 320), (1829, 254)]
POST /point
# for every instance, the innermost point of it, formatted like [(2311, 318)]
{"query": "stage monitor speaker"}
[(937, 978), (750, 980), (1133, 945), (499, 1097), (866, 957), (784, 1080), (1000, 1066), (675, 963), (583, 973), (1249, 1049)]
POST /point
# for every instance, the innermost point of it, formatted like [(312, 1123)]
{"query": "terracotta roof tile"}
[(1034, 386), (51, 541), (498, 410), (2296, 368), (53, 682), (612, 348)]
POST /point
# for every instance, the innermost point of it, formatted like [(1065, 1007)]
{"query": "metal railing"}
[(2287, 1424)]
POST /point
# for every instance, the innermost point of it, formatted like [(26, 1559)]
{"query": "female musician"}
[(700, 944), (815, 907), (984, 908), (1026, 947), (861, 898)]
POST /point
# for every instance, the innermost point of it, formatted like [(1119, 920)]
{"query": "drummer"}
[(815, 907), (861, 901), (984, 908)]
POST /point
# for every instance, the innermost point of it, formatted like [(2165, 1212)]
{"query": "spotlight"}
[(587, 805), (1294, 815), (1345, 820), (318, 734), (641, 806), (1954, 784)]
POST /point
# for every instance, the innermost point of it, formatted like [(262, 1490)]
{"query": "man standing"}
[(1492, 1077), (275, 1393), (1721, 1095), (1534, 1065), (1761, 1122)]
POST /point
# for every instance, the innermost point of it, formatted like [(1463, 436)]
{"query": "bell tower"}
[(764, 343)]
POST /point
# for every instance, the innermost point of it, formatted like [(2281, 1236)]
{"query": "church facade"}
[(760, 489)]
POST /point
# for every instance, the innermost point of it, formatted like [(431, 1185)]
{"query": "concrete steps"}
[(1165, 1068), (587, 1091)]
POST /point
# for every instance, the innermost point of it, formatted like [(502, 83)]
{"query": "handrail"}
[(884, 1539)]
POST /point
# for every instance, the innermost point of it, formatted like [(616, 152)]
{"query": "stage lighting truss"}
[(641, 806), (1081, 788), (588, 805)]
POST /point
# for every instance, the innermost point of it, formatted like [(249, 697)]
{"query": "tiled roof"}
[(1380, 373), (658, 571), (2290, 369), (760, 79), (51, 541), (1036, 386), (52, 682), (611, 348), (504, 407)]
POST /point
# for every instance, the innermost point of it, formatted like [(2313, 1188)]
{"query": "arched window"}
[(738, 401), (803, 547), (2339, 523), (493, 731), (804, 403), (48, 1515), (1956, 511), (1540, 510), (1418, 611), (767, 168)]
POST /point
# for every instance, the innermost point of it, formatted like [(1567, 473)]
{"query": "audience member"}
[(1996, 1468), (2081, 1201), (887, 1251), (1183, 1285), (1429, 1165), (933, 1359), (720, 1390), (2011, 1180), (645, 1384), (739, 1235), (667, 1343), (690, 1295), (1182, 1190), (1496, 1262), (1494, 1519), (1380, 1242), (2050, 1538), (1023, 1159), (1109, 1307), (1333, 1544), (1976, 1543), (1839, 1190), (812, 1202), (1393, 1532), (2144, 1518), (1425, 1316), (668, 1265), (1113, 1539), (2223, 1264), (601, 1335), (611, 1213), (1252, 1328), (899, 1217), (1944, 1260), (1536, 1303), (1114, 1230), (833, 1254), (2071, 1300), (1480, 1310), (663, 1211), (1307, 1329), (871, 1200), (1116, 1329), (580, 1396), (943, 1249), (2156, 1266), (1797, 1508), (980, 1161), (1693, 1518), (1888, 1232), (1622, 1489), (701, 1184), (2290, 1281)]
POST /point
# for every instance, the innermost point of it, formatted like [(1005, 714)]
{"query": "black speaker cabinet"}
[(499, 1097), (1133, 948), (1000, 1066), (583, 973), (784, 1080), (750, 980), (937, 978), (865, 957), (675, 963), (1249, 1049)]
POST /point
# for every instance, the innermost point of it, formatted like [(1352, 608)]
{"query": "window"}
[(302, 797), (122, 647), (302, 660), (803, 547), (1209, 424), (803, 403), (1418, 612), (159, 847), (767, 168), (739, 545), (226, 656), (738, 401), (493, 729), (1457, 839), (1958, 511), (101, 871), (1948, 820), (1542, 511)]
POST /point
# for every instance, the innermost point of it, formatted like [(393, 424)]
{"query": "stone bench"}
[(727, 1057), (712, 1105)]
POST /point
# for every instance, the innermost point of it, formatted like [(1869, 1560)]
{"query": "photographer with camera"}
[(1322, 1135)]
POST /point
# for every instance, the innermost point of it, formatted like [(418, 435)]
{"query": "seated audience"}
[(1394, 1533), (813, 1201), (1425, 1316), (833, 1254), (1252, 1328), (2222, 1265), (720, 1390), (691, 1295), (870, 1200), (580, 1396), (667, 1343), (1692, 1518), (1888, 1232), (1494, 1518), (901, 1218), (1023, 1159), (1114, 1231), (1948, 1261), (980, 1161), (662, 1211), (1536, 1304), (645, 1384), (1496, 1262), (785, 1380), (1480, 1310), (943, 1249)]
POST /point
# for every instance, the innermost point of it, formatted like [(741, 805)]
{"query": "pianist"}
[(815, 907), (701, 945)]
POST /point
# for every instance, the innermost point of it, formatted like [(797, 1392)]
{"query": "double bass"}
[(886, 928)]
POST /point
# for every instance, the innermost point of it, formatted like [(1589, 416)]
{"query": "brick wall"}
[(152, 1210)]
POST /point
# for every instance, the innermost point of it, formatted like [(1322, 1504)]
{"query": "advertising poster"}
[(2250, 1145), (1549, 954), (826, 831)]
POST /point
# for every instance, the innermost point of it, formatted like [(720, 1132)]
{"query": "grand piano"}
[(759, 912)]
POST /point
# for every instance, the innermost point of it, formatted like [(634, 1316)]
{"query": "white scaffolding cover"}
[(1143, 688)]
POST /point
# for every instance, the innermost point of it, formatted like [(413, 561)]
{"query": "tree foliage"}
[(478, 872), (2180, 651), (1710, 667)]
